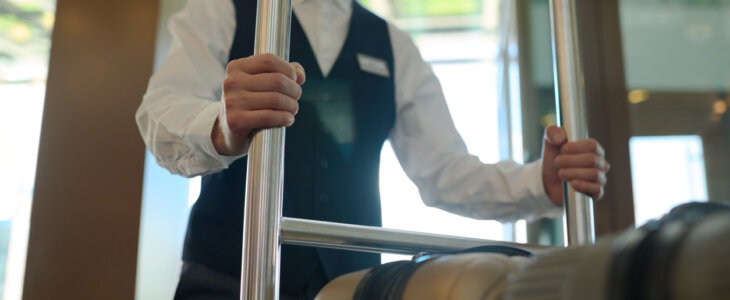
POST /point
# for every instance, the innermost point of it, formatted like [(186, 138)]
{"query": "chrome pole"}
[(379, 240), (570, 98), (265, 173)]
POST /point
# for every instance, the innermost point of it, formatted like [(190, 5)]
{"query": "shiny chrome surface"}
[(570, 93), (375, 239), (264, 185)]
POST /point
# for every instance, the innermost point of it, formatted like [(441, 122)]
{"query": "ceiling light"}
[(638, 96)]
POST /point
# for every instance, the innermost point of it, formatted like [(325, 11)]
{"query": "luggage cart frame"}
[(265, 229)]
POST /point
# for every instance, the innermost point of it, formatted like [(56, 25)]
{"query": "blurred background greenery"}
[(433, 8), (25, 32)]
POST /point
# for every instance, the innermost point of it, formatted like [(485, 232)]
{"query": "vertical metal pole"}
[(570, 97), (265, 174)]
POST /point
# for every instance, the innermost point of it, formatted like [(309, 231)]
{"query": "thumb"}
[(301, 76), (554, 139)]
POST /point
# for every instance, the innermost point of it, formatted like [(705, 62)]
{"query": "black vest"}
[(332, 155)]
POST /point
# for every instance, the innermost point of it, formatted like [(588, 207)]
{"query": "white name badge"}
[(373, 65)]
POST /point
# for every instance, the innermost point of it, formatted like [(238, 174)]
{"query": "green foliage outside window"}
[(436, 8), (25, 27), (432, 8)]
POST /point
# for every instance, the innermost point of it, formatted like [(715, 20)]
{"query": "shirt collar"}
[(344, 5)]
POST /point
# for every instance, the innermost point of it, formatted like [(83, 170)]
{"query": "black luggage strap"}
[(388, 281)]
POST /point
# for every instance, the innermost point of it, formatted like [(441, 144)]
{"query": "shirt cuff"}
[(199, 133), (545, 208)]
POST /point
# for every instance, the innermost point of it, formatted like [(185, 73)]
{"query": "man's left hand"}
[(581, 163)]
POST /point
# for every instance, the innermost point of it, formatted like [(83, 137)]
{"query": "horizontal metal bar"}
[(379, 240)]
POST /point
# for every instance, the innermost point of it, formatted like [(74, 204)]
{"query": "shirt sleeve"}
[(181, 104), (435, 158)]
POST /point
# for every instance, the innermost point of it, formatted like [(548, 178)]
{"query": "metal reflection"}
[(570, 95), (265, 180), (379, 240)]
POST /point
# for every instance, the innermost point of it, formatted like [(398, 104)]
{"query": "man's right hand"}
[(259, 91)]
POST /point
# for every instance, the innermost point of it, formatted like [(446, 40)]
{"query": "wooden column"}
[(86, 206), (608, 108)]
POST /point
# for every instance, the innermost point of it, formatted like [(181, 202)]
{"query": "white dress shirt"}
[(182, 103)]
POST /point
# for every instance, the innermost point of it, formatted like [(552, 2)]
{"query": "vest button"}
[(326, 97), (324, 198), (323, 163)]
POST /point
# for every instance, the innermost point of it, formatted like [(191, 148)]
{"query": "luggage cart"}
[(265, 230)]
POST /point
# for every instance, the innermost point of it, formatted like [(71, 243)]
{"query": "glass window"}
[(666, 171), (469, 76), (678, 74), (25, 32)]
